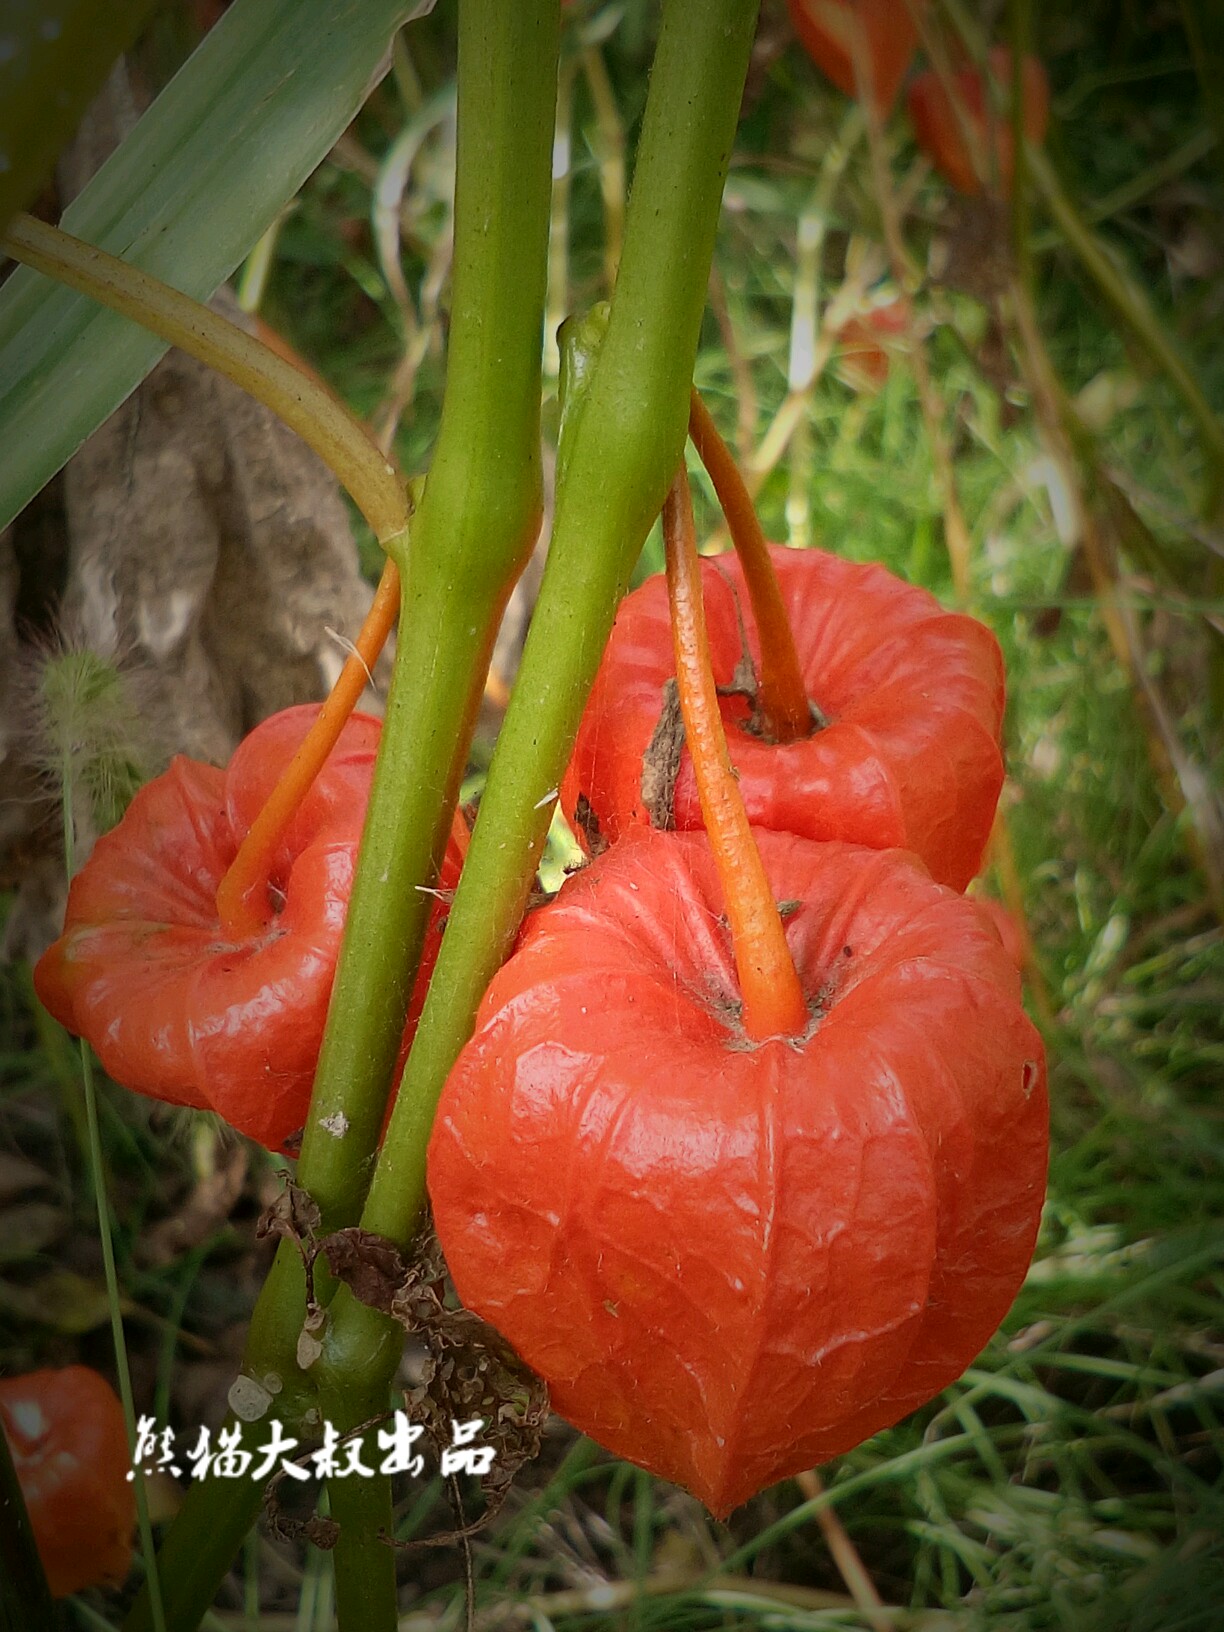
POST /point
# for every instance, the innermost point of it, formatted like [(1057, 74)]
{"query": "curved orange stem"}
[(782, 698), (774, 1004), (241, 893)]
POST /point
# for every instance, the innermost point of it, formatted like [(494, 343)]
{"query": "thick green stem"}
[(627, 439), (470, 539), (364, 1565), (475, 530), (197, 1550), (434, 691)]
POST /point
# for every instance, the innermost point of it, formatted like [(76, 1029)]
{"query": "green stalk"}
[(306, 406), (25, 1600), (364, 1565), (206, 1536), (476, 527), (627, 440), (471, 537), (1131, 305), (97, 1174)]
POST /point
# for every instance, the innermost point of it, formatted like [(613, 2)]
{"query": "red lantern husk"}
[(912, 697), (942, 127), (889, 39), (731, 1261), (70, 1452), (176, 1008)]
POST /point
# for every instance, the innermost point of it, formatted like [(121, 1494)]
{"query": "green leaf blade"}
[(224, 147)]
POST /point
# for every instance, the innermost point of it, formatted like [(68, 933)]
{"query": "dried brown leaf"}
[(371, 1266)]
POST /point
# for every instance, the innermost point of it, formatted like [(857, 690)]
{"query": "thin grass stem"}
[(846, 1556), (97, 1173), (610, 137)]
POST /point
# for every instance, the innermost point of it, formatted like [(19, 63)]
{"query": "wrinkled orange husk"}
[(913, 697), (730, 1261), (175, 1007)]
